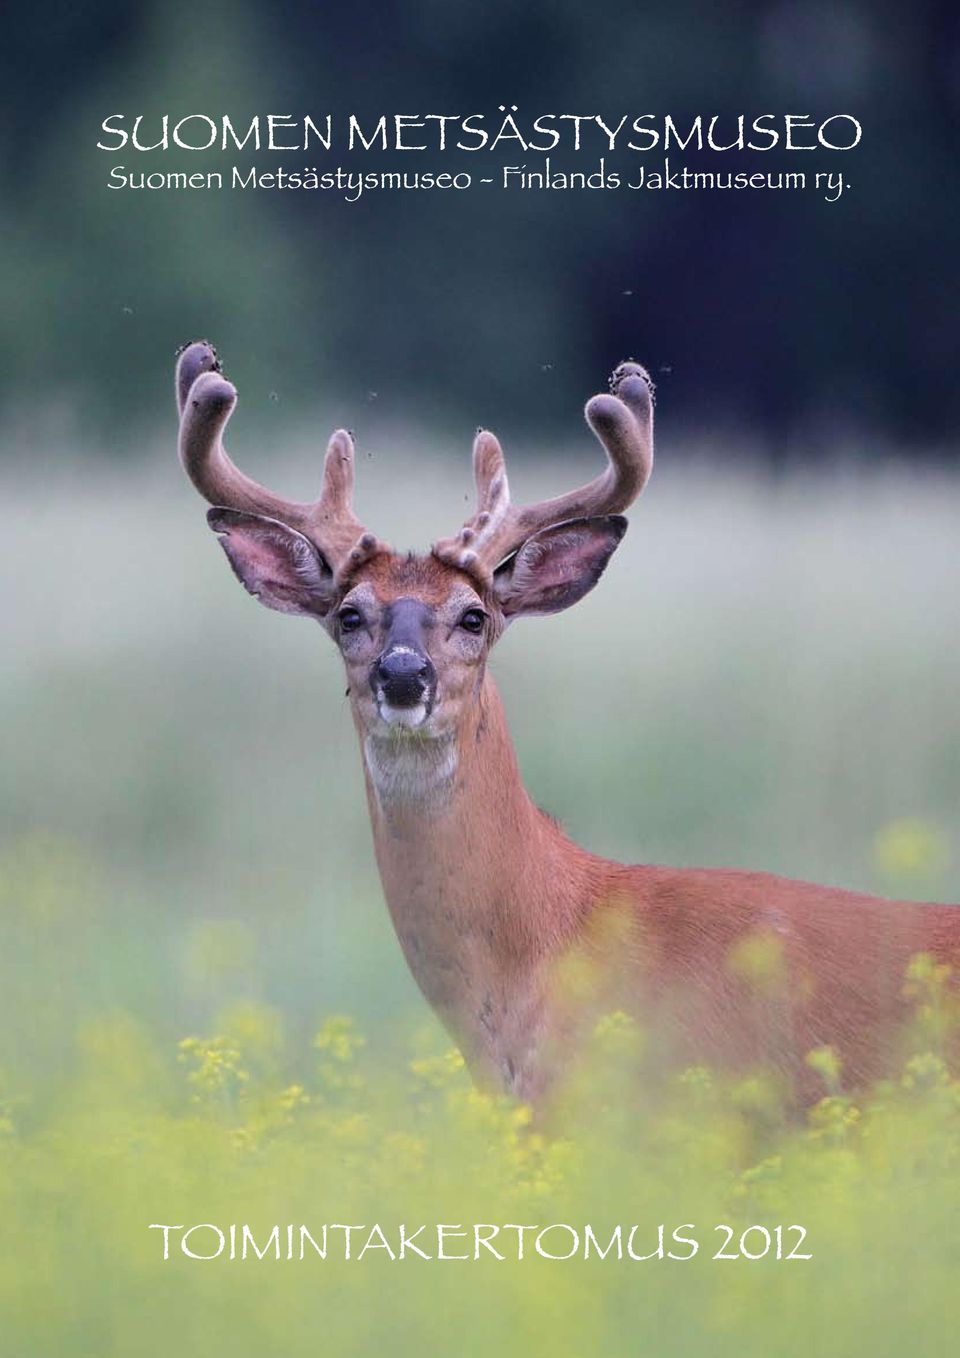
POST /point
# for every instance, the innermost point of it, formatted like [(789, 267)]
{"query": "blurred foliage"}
[(798, 319), (912, 853), (833, 1233)]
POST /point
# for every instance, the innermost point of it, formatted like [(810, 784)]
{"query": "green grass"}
[(765, 678)]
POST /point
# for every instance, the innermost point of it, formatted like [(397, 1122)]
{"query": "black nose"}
[(404, 677)]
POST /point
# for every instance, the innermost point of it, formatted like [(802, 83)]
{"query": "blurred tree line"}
[(801, 321)]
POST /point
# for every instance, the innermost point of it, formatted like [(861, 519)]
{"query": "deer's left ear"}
[(557, 566)]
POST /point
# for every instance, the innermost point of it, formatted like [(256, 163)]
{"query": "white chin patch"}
[(403, 716)]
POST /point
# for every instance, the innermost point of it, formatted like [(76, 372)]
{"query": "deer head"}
[(414, 631)]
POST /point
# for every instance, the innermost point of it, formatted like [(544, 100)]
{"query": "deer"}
[(493, 905)]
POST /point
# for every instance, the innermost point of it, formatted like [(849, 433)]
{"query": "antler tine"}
[(490, 472), (206, 401), (332, 522), (192, 360), (622, 421)]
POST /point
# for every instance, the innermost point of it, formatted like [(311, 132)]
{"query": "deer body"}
[(499, 915), (491, 901)]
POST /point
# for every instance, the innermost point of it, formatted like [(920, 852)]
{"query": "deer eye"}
[(350, 619), (473, 620)]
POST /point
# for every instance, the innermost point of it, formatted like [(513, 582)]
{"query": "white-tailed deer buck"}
[(489, 898)]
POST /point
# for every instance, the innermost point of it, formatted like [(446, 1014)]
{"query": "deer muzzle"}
[(405, 683)]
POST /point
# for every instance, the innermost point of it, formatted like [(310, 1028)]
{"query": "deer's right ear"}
[(274, 563)]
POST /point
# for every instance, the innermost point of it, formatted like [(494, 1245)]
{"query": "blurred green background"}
[(766, 678), (783, 319)]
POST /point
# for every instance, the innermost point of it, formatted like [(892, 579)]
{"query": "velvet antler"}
[(206, 401), (622, 421)]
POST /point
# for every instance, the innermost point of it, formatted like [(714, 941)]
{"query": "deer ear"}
[(557, 566), (274, 563)]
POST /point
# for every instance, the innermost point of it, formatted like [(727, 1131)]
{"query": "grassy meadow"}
[(205, 1018)]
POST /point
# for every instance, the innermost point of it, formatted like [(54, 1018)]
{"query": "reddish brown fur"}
[(393, 576), (490, 901)]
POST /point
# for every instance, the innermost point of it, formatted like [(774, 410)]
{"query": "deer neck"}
[(484, 890)]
